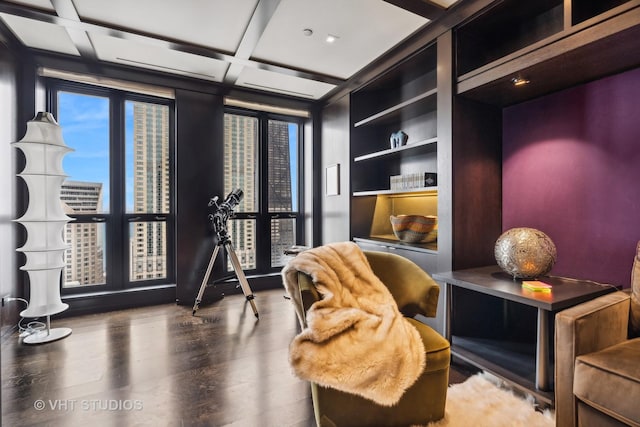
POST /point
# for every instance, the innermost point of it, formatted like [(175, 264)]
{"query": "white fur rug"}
[(479, 402)]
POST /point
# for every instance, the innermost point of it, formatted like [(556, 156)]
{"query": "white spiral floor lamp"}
[(45, 222)]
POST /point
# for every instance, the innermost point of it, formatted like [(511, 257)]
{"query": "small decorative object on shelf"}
[(536, 286), (412, 228), (398, 139), (525, 253), (413, 180)]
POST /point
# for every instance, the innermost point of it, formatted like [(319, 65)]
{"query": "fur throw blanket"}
[(356, 339)]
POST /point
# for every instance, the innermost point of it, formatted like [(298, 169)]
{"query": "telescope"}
[(224, 210), (219, 219)]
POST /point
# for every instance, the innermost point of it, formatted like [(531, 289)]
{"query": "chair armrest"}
[(413, 289), (585, 328), (308, 295)]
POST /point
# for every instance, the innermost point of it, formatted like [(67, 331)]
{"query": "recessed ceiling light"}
[(307, 32), (331, 38)]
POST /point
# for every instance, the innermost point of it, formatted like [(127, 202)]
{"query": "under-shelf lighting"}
[(520, 81)]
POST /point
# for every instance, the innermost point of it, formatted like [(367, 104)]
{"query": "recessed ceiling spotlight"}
[(520, 81), (331, 38), (307, 32)]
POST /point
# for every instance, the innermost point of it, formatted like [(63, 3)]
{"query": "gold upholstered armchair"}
[(597, 369), (415, 292)]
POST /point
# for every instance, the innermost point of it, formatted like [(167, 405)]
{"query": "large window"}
[(118, 189), (261, 157)]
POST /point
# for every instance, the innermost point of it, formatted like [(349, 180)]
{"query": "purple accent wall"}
[(571, 168)]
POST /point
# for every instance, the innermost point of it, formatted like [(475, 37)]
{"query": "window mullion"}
[(264, 223), (118, 234)]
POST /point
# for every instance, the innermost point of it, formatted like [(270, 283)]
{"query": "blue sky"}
[(85, 128)]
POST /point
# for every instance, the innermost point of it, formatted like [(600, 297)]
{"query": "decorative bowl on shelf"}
[(412, 228)]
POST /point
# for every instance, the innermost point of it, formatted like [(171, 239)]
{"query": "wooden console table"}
[(489, 319)]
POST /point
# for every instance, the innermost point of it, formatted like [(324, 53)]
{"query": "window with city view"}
[(116, 238), (147, 187), (270, 205), (84, 120)]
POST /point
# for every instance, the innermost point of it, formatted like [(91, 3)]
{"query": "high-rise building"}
[(280, 200), (241, 171), (85, 257), (150, 190), (240, 163)]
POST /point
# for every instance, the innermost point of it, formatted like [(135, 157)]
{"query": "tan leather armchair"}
[(597, 368), (415, 292)]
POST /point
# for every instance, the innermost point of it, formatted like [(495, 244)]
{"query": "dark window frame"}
[(117, 220), (263, 217)]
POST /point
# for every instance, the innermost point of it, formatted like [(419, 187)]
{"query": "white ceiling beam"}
[(66, 9), (154, 40), (261, 15)]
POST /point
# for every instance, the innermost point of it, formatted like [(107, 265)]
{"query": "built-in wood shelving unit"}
[(424, 145)]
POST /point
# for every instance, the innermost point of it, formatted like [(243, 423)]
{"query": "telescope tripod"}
[(224, 240)]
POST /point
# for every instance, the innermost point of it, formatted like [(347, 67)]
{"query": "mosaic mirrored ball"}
[(525, 253)]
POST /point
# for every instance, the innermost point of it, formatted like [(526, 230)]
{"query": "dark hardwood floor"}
[(161, 366)]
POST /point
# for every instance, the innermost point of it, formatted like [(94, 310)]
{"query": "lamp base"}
[(47, 335)]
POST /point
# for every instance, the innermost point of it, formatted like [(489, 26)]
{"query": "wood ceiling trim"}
[(423, 8)]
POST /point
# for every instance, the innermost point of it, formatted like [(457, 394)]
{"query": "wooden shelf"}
[(391, 240), (412, 191), (412, 106), (505, 28), (502, 362), (427, 143), (405, 98), (584, 10), (587, 51)]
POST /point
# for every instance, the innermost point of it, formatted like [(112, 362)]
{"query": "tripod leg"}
[(205, 279), (244, 284)]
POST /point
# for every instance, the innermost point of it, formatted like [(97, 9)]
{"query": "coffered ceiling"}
[(302, 48)]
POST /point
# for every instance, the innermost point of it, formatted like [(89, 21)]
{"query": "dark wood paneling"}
[(315, 175), (420, 7), (199, 176), (455, 15), (505, 28), (30, 99), (9, 276), (335, 150), (362, 208), (445, 149), (582, 10), (597, 51), (477, 182)]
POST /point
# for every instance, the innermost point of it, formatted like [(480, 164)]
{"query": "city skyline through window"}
[(84, 120), (270, 205), (118, 187), (130, 224)]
